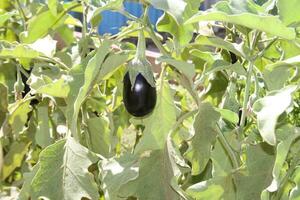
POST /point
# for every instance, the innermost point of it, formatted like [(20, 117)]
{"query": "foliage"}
[(65, 133)]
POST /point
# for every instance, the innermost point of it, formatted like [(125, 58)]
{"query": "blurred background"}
[(113, 21)]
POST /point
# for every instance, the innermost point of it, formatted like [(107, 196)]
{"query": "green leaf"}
[(237, 49), (269, 108), (84, 76), (276, 74), (281, 154), (68, 177), (46, 46), (174, 7), (43, 135), (288, 11), (104, 5), (3, 102), (56, 87), (40, 25), (98, 128), (214, 189), (205, 135), (4, 17), (52, 4), (111, 64), (266, 23), (154, 179), (25, 190), (228, 115), (258, 174), (182, 33), (160, 122), (19, 51), (117, 172), (18, 114), (188, 69), (14, 158), (295, 192)]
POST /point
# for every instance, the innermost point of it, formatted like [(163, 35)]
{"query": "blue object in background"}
[(112, 21)]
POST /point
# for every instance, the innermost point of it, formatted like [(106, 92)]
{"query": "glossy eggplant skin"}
[(140, 99)]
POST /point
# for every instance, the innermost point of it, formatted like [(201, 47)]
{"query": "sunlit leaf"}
[(68, 177), (269, 108), (205, 136)]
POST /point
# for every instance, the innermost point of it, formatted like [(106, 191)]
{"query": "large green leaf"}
[(117, 172), (56, 87), (258, 173), (154, 179), (188, 69), (205, 135), (214, 189), (19, 51), (266, 23), (295, 192), (269, 108), (237, 49), (3, 102), (43, 135), (160, 122), (281, 154), (173, 7), (18, 115), (63, 172), (288, 11), (84, 76), (98, 129), (14, 158), (41, 24), (276, 74)]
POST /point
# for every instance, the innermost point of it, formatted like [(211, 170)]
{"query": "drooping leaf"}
[(20, 51), (281, 154), (3, 102), (205, 135), (40, 25), (188, 69), (154, 179), (288, 11), (295, 192), (52, 4), (14, 158), (276, 74), (56, 87), (269, 108), (43, 135), (18, 115), (100, 137), (266, 23), (160, 122), (84, 77), (174, 7), (68, 177), (46, 46), (228, 115), (258, 175), (237, 49), (215, 189), (117, 172)]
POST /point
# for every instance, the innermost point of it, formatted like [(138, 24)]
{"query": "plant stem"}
[(156, 41), (230, 152), (52, 60), (22, 13), (248, 83)]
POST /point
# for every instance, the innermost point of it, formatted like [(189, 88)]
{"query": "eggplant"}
[(139, 99)]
